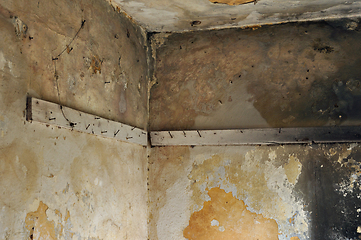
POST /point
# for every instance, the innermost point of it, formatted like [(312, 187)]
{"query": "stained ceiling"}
[(185, 15)]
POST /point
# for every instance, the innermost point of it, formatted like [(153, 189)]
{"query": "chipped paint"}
[(38, 225), (235, 220), (61, 184), (261, 183), (300, 187), (256, 176)]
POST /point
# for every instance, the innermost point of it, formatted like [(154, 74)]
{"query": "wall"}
[(251, 192), (56, 183), (289, 75)]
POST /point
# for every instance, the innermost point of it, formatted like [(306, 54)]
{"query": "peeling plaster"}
[(236, 221), (244, 172), (282, 183)]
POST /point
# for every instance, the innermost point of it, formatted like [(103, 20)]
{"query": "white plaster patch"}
[(2, 61), (174, 215), (214, 222), (352, 145), (33, 206), (277, 181), (52, 216), (221, 229), (272, 155)]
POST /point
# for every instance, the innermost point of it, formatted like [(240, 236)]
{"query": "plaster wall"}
[(57, 183), (288, 75), (252, 192)]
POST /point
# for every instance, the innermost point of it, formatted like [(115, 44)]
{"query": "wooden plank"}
[(265, 136), (57, 115)]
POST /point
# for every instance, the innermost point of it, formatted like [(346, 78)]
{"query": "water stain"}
[(38, 225), (19, 173), (225, 217), (295, 75)]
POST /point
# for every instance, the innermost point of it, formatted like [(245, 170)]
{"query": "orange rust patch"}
[(38, 224), (232, 2), (294, 238), (292, 219), (225, 217)]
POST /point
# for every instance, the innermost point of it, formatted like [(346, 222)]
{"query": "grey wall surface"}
[(288, 75)]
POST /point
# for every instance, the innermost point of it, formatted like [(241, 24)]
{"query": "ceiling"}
[(188, 15)]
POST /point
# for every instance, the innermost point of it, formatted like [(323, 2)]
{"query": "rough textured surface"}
[(228, 218), (62, 184), (57, 183), (289, 75), (98, 68), (191, 15), (294, 192)]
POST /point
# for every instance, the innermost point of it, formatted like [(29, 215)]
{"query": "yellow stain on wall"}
[(39, 226), (226, 217), (232, 2), (293, 169)]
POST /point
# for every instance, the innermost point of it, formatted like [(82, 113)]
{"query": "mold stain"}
[(225, 217), (38, 224)]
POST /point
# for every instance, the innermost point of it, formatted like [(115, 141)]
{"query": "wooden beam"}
[(61, 116), (265, 136)]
